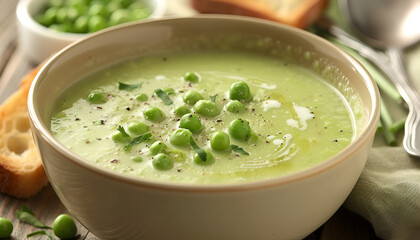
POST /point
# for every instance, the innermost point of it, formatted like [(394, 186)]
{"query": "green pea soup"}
[(297, 118)]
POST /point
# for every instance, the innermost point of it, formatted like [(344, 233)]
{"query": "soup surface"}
[(204, 117)]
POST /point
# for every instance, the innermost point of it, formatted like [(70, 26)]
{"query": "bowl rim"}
[(25, 18), (362, 138)]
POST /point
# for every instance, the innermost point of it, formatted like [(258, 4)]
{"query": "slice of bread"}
[(297, 13), (21, 172)]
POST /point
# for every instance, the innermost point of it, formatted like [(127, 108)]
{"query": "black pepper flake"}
[(237, 155), (219, 120), (99, 139), (115, 161), (179, 170), (253, 110), (98, 107), (335, 140), (341, 130), (128, 108), (267, 141), (87, 142), (77, 119), (325, 127)]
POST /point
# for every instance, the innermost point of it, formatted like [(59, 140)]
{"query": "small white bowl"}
[(39, 42)]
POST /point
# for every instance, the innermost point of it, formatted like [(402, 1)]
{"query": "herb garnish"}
[(213, 98), (124, 133), (128, 87), (162, 95), (137, 140), (42, 232), (201, 153), (238, 149), (27, 216)]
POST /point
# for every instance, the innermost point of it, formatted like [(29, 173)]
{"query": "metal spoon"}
[(392, 25)]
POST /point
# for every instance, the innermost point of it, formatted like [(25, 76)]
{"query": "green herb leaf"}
[(162, 95), (137, 140), (128, 87), (121, 129), (42, 232), (238, 149), (27, 216), (26, 209), (201, 153), (213, 98)]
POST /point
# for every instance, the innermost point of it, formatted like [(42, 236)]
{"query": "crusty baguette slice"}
[(21, 172), (297, 13)]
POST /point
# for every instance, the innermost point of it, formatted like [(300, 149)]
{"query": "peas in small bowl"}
[(47, 26)]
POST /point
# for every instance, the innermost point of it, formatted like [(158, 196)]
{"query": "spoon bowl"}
[(385, 23)]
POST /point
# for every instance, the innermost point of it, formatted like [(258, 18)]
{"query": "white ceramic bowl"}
[(39, 42), (116, 206)]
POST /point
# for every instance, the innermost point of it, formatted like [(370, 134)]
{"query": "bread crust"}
[(301, 15), (21, 171)]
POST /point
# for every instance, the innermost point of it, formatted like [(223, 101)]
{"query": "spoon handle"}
[(402, 82)]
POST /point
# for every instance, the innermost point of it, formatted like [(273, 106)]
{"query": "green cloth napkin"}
[(388, 193)]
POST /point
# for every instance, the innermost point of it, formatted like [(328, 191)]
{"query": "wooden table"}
[(46, 206)]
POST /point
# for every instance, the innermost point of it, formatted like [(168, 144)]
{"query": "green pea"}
[(97, 9), (119, 16), (81, 24), (153, 114), (137, 5), (138, 128), (6, 228), (239, 129), (80, 5), (142, 97), (64, 227), (72, 14), (235, 106), (180, 137), (219, 141), (169, 91), (182, 110), (209, 159), (119, 137), (56, 3), (124, 3), (48, 17), (96, 23), (96, 98), (157, 147), (191, 122), (61, 15), (138, 14), (240, 91), (191, 97), (206, 108), (191, 77), (163, 162), (136, 159), (113, 6), (63, 27)]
